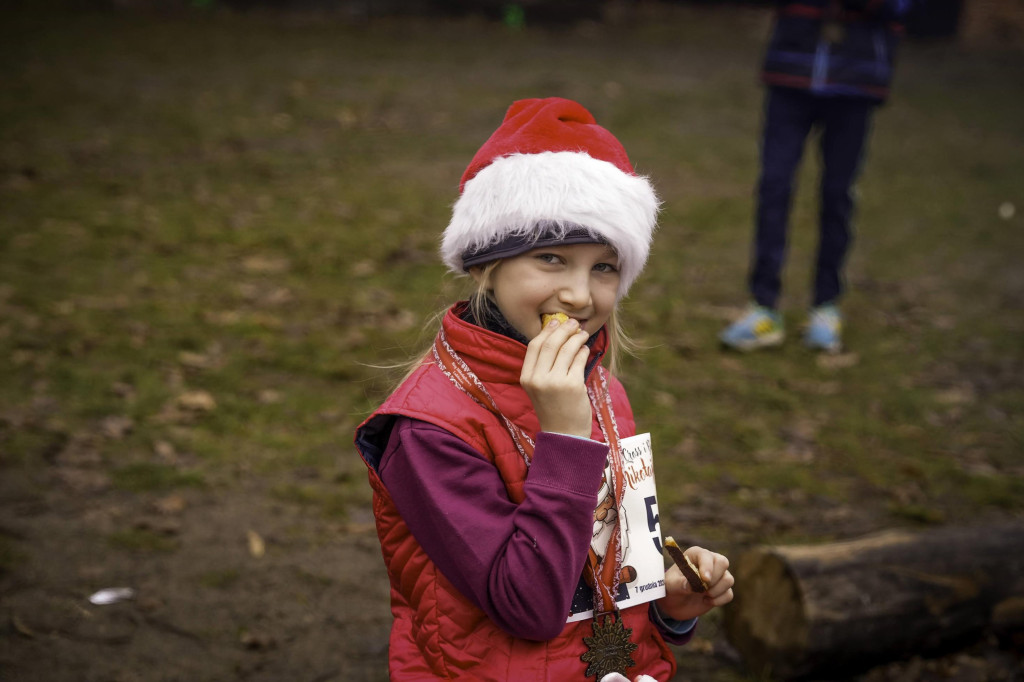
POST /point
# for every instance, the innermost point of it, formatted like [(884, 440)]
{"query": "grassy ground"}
[(212, 226)]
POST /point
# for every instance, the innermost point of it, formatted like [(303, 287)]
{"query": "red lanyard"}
[(603, 572), (464, 378)]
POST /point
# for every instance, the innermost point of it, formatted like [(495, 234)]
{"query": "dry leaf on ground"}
[(257, 548), (200, 401)]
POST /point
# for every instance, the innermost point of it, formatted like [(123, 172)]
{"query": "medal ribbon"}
[(603, 573), (607, 587)]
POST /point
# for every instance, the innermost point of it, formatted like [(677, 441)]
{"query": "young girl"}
[(487, 461)]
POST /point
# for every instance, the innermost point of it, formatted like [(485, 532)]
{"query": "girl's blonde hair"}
[(619, 343)]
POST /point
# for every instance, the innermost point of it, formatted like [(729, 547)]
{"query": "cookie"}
[(693, 576), (547, 317)]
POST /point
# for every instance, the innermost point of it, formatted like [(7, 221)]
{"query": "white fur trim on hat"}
[(515, 193)]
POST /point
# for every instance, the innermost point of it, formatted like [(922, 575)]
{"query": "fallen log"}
[(837, 609)]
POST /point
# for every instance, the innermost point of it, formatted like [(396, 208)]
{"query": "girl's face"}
[(580, 280)]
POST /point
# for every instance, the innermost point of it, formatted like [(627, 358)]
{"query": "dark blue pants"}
[(790, 116)]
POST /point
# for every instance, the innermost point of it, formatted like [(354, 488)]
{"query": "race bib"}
[(642, 577)]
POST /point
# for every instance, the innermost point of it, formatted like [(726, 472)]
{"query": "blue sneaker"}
[(760, 327), (824, 329)]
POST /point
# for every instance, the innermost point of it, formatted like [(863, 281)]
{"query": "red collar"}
[(494, 357)]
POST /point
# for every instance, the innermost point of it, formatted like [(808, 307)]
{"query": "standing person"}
[(828, 66), (487, 461)]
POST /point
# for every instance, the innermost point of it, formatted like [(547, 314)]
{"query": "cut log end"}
[(767, 620)]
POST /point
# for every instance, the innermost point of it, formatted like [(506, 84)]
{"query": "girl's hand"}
[(552, 377), (681, 602)]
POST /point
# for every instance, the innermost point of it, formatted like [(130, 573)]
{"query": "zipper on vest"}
[(820, 70), (881, 57)]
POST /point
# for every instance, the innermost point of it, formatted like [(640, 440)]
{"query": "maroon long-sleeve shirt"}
[(519, 563)]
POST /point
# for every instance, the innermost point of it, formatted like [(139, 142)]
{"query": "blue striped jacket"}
[(835, 48)]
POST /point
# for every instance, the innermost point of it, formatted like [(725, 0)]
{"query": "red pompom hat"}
[(551, 175)]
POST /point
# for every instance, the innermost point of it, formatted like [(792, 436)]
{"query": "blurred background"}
[(219, 223)]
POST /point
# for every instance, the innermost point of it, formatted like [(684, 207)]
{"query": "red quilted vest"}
[(437, 632)]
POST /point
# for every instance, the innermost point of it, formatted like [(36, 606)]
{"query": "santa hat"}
[(550, 175)]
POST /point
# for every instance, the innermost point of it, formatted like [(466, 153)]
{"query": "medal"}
[(608, 651)]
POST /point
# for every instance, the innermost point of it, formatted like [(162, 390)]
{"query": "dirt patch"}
[(228, 585)]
